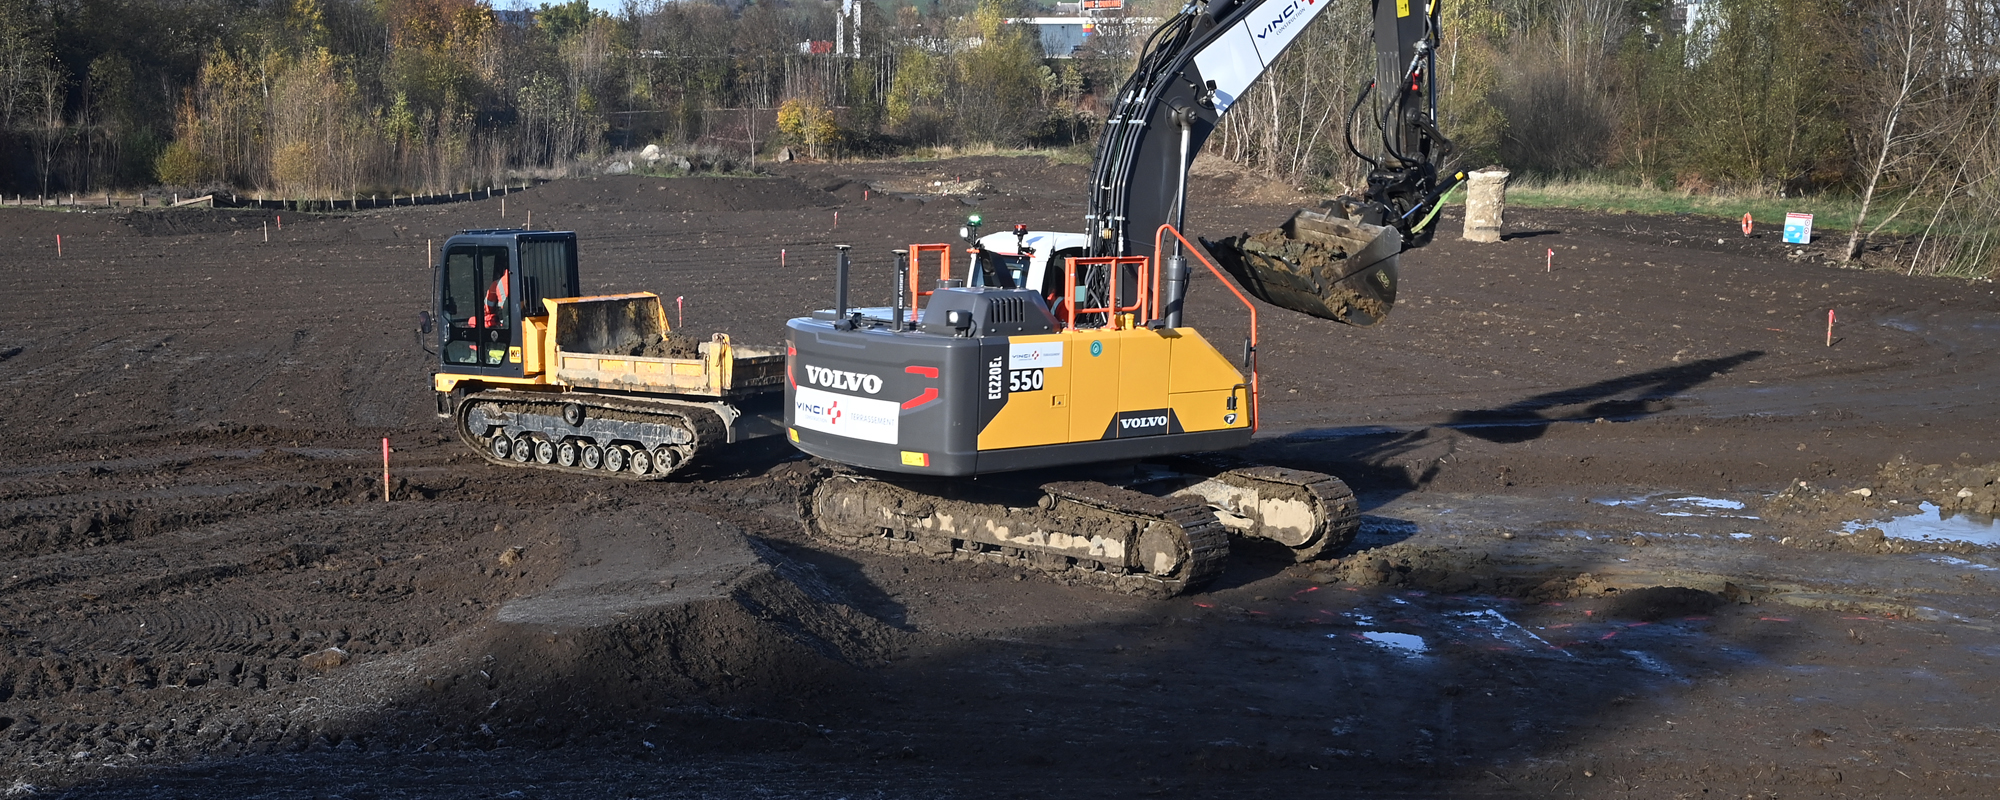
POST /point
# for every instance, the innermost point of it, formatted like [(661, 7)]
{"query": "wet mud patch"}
[(1905, 507)]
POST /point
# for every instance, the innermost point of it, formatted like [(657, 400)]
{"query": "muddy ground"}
[(1588, 565)]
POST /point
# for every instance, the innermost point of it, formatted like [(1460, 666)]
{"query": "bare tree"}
[(1901, 71), (48, 84)]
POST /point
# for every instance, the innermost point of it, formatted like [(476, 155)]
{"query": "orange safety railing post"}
[(1140, 306), (1068, 301), (917, 252), (1159, 242)]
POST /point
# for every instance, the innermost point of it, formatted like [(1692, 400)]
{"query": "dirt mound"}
[(1897, 488), (1956, 488), (1655, 603), (635, 193), (672, 344), (657, 610), (622, 616), (40, 226)]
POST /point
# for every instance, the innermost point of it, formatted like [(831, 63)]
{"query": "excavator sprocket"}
[(1077, 531), (1310, 513), (587, 434)]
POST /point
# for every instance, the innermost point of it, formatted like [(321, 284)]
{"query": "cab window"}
[(475, 302)]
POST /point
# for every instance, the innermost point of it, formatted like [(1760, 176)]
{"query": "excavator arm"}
[(1193, 70)]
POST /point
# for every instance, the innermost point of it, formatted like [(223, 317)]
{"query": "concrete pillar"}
[(1485, 201)]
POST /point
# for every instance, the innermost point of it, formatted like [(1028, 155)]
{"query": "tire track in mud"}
[(144, 615), (97, 503)]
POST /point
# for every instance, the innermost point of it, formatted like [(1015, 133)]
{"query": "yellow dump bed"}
[(623, 343)]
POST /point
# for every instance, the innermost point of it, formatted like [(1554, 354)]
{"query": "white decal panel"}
[(1236, 57), (861, 418), (1230, 63), (1034, 355)]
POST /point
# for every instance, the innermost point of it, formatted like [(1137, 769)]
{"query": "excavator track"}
[(1310, 513), (1077, 531), (634, 439)]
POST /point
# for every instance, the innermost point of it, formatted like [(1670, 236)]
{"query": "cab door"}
[(479, 302)]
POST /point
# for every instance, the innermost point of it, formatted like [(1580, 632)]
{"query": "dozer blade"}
[(1318, 264)]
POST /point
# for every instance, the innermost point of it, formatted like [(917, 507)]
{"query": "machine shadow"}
[(1311, 690), (1378, 460)]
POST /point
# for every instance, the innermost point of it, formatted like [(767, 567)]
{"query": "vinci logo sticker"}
[(845, 415), (1038, 355), (1152, 422)]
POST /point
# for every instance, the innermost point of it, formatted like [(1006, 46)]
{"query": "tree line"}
[(1895, 102)]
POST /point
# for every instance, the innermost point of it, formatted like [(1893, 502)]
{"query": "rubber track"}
[(1207, 541), (1340, 516), (698, 420)]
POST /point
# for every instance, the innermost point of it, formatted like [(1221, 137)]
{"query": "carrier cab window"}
[(476, 293)]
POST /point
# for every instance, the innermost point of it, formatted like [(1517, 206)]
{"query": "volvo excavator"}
[(1050, 407)]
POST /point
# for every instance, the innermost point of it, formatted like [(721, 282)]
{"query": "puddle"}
[(1928, 525), (1683, 506), (1408, 644), (1649, 663), (1498, 626), (1739, 536), (1960, 562), (1709, 502)]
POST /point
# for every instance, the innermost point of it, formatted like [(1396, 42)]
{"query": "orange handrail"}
[(1148, 287), (917, 252), (1159, 243)]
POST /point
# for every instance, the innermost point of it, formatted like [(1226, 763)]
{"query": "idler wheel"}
[(665, 459)]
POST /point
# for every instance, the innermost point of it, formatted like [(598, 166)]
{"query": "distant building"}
[(1062, 36)]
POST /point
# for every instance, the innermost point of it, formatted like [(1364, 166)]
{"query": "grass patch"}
[(1057, 155), (1830, 212), (1960, 244)]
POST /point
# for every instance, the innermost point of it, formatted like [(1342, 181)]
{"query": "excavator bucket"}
[(1319, 264)]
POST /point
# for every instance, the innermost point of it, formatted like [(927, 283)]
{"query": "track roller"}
[(1078, 531), (632, 438)]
